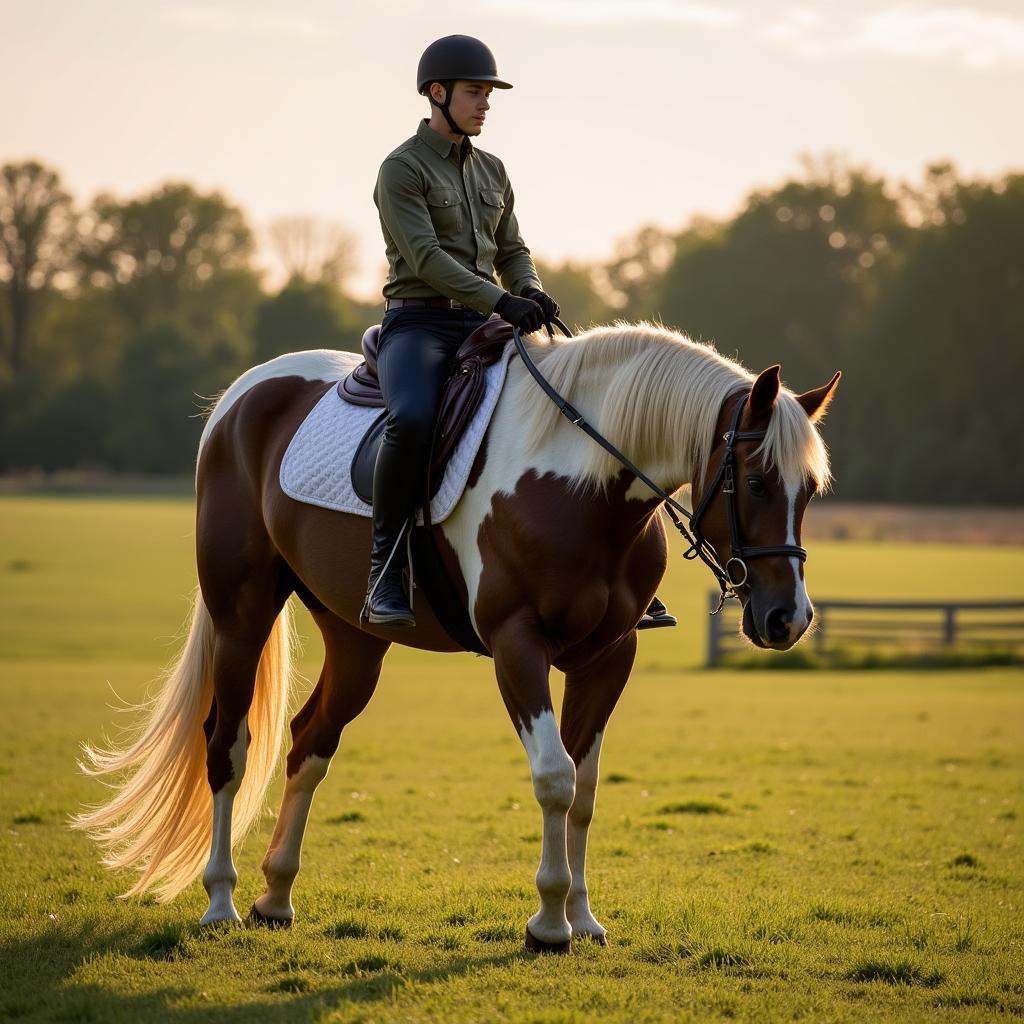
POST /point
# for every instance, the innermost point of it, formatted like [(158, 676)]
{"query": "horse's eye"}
[(757, 487)]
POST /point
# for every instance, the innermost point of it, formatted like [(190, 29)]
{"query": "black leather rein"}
[(724, 480)]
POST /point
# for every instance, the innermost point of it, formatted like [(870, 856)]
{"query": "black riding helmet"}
[(451, 58)]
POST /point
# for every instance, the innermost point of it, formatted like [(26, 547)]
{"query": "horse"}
[(556, 548)]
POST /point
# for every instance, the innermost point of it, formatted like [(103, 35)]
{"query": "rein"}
[(724, 480)]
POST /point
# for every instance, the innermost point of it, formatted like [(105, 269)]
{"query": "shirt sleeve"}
[(513, 262), (404, 212)]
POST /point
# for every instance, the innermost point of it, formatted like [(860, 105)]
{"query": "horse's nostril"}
[(776, 625)]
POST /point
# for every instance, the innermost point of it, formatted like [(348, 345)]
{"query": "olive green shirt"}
[(449, 224)]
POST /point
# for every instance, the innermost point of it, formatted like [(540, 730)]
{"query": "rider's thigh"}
[(412, 366)]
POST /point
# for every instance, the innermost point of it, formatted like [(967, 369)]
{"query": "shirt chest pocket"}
[(445, 205), (492, 206)]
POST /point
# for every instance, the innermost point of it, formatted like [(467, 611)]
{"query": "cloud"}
[(201, 17), (798, 28), (975, 39), (275, 23), (964, 35), (601, 12)]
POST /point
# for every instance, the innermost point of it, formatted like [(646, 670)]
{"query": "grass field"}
[(767, 845)]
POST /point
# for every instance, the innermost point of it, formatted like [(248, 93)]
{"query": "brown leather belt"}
[(437, 303)]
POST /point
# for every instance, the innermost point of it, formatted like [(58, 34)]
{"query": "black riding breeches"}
[(415, 353)]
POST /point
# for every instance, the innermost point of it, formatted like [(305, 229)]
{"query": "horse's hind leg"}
[(235, 662), (347, 681), (245, 585)]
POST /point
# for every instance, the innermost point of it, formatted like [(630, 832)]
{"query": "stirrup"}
[(657, 616)]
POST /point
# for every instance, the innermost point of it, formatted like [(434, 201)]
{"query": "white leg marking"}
[(578, 903), (802, 610), (220, 876), (554, 778), (282, 862)]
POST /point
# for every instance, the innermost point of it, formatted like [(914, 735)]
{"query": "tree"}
[(37, 241), (631, 279), (573, 288), (939, 357), (158, 394), (314, 250), (783, 281), (161, 253), (306, 315)]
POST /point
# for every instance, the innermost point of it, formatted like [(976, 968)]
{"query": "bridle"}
[(724, 480)]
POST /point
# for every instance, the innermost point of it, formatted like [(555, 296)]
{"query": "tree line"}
[(118, 320)]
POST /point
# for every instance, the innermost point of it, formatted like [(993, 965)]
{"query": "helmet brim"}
[(490, 79)]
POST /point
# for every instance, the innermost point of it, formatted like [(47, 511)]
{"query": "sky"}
[(624, 112)]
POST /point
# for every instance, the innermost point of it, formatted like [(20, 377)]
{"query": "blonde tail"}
[(159, 821)]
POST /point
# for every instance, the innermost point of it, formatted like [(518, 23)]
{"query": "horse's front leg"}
[(522, 665), (591, 693)]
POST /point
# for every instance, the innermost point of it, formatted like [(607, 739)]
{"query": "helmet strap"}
[(443, 107)]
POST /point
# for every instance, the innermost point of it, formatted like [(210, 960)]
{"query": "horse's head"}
[(774, 475)]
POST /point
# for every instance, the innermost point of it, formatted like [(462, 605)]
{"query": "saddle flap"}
[(365, 459), (486, 343), (461, 395)]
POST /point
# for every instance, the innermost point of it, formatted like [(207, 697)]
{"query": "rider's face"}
[(470, 104)]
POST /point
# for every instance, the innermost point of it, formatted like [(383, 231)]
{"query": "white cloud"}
[(257, 22), (599, 12), (973, 38), (292, 24), (963, 34), (797, 27), (201, 17)]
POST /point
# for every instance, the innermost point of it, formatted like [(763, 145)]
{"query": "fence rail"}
[(931, 625)]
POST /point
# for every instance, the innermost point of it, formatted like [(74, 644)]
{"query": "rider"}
[(446, 212)]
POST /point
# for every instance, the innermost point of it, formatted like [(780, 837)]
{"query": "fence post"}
[(713, 631), (949, 625)]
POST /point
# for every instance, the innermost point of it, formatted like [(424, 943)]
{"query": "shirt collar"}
[(438, 143)]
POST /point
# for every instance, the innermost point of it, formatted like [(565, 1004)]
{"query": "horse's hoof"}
[(262, 921), (220, 918), (535, 945)]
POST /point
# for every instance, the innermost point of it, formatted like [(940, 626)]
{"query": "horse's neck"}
[(668, 462)]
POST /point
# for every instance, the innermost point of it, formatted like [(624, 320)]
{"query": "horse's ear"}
[(765, 390), (816, 402)]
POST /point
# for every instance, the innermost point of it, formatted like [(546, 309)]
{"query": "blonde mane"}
[(656, 394)]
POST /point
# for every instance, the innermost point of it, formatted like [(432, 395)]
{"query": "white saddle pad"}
[(317, 466)]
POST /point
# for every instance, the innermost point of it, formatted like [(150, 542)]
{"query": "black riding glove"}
[(548, 304), (520, 312)]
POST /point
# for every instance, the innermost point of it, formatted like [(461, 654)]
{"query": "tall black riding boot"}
[(414, 353), (386, 603)]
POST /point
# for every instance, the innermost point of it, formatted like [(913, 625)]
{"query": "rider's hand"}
[(548, 304), (520, 312)]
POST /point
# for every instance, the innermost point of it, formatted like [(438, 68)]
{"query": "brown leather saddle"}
[(460, 399)]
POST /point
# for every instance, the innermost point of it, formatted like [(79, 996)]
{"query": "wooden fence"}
[(917, 625)]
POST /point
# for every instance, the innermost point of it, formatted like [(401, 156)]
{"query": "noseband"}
[(723, 480)]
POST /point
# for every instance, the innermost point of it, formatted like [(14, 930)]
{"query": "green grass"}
[(867, 866)]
